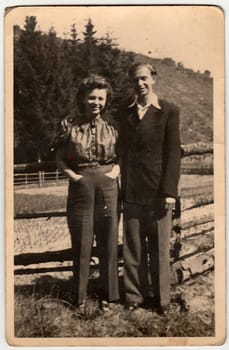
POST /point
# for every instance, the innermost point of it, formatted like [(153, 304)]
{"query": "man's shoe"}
[(132, 306)]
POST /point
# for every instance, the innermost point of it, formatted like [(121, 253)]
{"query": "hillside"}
[(192, 92)]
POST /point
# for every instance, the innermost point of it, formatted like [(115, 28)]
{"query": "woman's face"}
[(95, 102)]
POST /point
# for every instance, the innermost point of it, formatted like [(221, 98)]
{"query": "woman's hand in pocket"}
[(114, 173), (75, 177)]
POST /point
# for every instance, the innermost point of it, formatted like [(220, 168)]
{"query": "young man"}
[(150, 143)]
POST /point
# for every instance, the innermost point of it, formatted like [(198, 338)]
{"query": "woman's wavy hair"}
[(90, 83)]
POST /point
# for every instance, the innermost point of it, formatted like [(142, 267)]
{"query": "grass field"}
[(42, 307)]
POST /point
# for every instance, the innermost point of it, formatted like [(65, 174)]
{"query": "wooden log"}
[(36, 258), (47, 214), (189, 246), (197, 216), (45, 257), (197, 164), (194, 265), (197, 170), (200, 186), (182, 247), (193, 218), (31, 271), (198, 230), (197, 148), (196, 201)]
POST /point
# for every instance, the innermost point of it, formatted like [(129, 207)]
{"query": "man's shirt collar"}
[(152, 101)]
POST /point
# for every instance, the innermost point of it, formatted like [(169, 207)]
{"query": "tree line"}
[(47, 72)]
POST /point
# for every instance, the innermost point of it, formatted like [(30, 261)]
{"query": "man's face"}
[(143, 81)]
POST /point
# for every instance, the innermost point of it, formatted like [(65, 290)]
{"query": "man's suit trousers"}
[(146, 254)]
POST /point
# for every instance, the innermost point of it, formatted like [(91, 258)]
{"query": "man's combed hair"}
[(138, 65)]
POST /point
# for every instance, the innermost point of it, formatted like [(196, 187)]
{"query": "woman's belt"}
[(92, 165)]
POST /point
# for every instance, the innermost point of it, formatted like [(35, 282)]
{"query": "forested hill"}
[(47, 72)]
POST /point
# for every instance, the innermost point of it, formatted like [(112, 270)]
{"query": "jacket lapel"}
[(133, 117), (152, 113)]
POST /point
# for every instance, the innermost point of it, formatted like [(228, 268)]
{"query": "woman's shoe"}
[(104, 305), (81, 307)]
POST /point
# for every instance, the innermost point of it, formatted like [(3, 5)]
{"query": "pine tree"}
[(75, 60), (89, 50), (34, 78), (27, 90), (74, 36)]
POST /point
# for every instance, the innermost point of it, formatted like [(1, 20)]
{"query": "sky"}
[(192, 35)]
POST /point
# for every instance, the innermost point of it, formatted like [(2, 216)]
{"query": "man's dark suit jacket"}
[(151, 153)]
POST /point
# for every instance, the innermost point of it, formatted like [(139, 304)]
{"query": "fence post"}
[(26, 179), (57, 175), (39, 178), (39, 172)]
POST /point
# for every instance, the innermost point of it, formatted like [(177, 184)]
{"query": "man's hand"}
[(170, 203)]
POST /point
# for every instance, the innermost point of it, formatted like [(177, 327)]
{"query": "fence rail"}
[(39, 178)]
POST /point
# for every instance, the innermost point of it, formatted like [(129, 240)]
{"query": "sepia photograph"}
[(115, 175)]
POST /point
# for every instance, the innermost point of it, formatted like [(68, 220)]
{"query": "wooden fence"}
[(192, 238), (39, 178), (189, 255)]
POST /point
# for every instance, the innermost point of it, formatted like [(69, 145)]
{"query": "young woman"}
[(87, 155)]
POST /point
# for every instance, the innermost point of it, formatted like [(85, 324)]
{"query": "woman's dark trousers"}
[(92, 210)]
